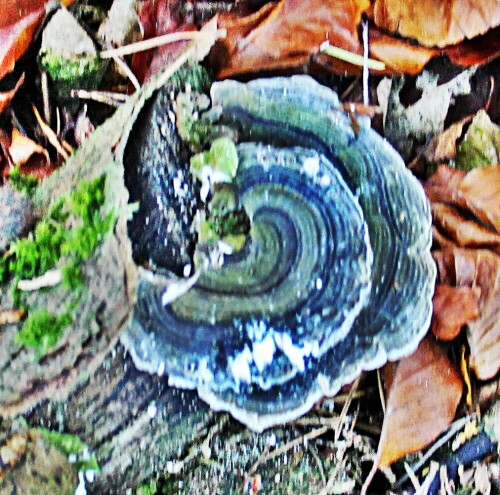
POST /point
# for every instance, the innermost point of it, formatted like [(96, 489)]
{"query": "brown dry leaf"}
[(18, 23), (479, 191), (22, 149), (477, 268), (6, 97), (158, 18), (437, 22), (461, 230), (478, 51), (398, 55), (441, 149), (421, 403), (288, 34), (442, 186), (453, 307)]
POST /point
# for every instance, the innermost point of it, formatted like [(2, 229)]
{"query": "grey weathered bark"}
[(133, 421)]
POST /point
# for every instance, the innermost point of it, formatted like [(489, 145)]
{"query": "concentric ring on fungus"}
[(336, 275)]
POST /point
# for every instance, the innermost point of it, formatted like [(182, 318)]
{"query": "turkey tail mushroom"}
[(335, 277)]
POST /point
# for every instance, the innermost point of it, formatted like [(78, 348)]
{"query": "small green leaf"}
[(224, 157), (221, 159), (481, 144)]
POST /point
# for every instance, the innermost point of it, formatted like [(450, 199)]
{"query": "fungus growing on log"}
[(335, 276)]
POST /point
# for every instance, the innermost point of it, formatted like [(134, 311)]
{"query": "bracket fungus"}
[(335, 275)]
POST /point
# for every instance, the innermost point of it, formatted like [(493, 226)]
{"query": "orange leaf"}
[(477, 268), (463, 231), (421, 403), (478, 51), (437, 22), (18, 24), (288, 34), (23, 148), (441, 148), (453, 307), (479, 191), (399, 55)]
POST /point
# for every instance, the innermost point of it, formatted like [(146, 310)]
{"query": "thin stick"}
[(345, 409), (455, 427), (128, 71), (366, 96), (381, 391), (106, 97), (50, 134), (286, 447), (352, 58), (45, 95), (159, 41)]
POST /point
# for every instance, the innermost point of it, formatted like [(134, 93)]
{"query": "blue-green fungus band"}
[(335, 278), (298, 284)]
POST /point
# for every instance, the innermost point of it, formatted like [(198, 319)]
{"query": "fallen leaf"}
[(481, 144), (6, 96), (436, 22), (477, 268), (421, 402), (478, 51), (288, 34), (479, 192), (441, 149), (158, 18), (462, 230), (453, 307), (400, 56), (23, 148), (18, 24)]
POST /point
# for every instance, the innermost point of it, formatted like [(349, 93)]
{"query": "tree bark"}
[(134, 422)]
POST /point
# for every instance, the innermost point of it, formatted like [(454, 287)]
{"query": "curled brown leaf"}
[(477, 268), (421, 403), (287, 34), (453, 308), (437, 22)]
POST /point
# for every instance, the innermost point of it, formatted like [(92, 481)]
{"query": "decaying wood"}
[(134, 422)]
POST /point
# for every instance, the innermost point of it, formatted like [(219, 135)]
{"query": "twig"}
[(315, 455), (341, 462), (159, 41), (454, 428), (366, 95), (106, 97), (50, 278), (381, 391), (286, 447), (352, 58), (345, 409), (50, 134), (45, 95), (175, 466), (128, 71)]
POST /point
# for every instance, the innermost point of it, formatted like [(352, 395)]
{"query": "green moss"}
[(42, 330), (23, 182), (72, 230), (222, 158), (85, 71), (72, 445), (227, 221), (52, 239)]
